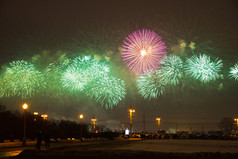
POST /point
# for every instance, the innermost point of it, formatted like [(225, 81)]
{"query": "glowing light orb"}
[(234, 72), (81, 72), (22, 79), (143, 50), (150, 85), (171, 70), (108, 91), (203, 68), (25, 106)]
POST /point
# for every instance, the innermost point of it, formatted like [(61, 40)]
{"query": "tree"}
[(226, 124)]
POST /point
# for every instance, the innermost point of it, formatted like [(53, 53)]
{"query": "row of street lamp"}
[(25, 107), (93, 121), (81, 116), (158, 119), (131, 111), (45, 116)]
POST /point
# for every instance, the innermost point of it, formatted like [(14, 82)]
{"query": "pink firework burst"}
[(143, 50)]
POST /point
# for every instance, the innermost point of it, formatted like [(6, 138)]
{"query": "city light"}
[(93, 120), (81, 126), (236, 119), (81, 116), (131, 111), (44, 116), (158, 119), (24, 106)]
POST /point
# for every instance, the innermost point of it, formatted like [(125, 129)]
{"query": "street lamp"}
[(94, 123), (24, 107), (131, 111), (236, 119), (81, 126), (44, 116), (35, 115), (158, 120)]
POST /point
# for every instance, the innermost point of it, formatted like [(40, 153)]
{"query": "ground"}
[(163, 149)]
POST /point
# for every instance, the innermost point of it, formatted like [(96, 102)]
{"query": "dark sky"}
[(30, 27)]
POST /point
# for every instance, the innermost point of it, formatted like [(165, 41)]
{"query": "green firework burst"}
[(171, 70), (53, 75), (81, 72), (22, 79), (108, 91), (1, 87), (203, 68), (150, 85), (234, 72)]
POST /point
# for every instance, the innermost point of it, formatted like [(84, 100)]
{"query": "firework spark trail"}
[(203, 69), (143, 50)]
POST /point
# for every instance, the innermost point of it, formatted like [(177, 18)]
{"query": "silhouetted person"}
[(38, 143), (47, 141)]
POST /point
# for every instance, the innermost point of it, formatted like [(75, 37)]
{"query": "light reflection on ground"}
[(10, 153)]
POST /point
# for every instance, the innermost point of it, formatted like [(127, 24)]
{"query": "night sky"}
[(53, 27)]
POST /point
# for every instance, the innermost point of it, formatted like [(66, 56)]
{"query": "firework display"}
[(108, 91), (150, 85), (143, 50), (203, 68), (144, 53), (171, 70), (53, 75), (234, 72), (22, 79), (81, 72), (1, 88)]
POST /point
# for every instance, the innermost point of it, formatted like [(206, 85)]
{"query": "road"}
[(10, 149), (118, 148)]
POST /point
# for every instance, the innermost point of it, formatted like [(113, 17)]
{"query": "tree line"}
[(12, 123)]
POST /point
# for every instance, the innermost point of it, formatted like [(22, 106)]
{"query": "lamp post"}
[(24, 107), (44, 116), (131, 111), (94, 123), (81, 126), (158, 120), (236, 119), (35, 115)]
